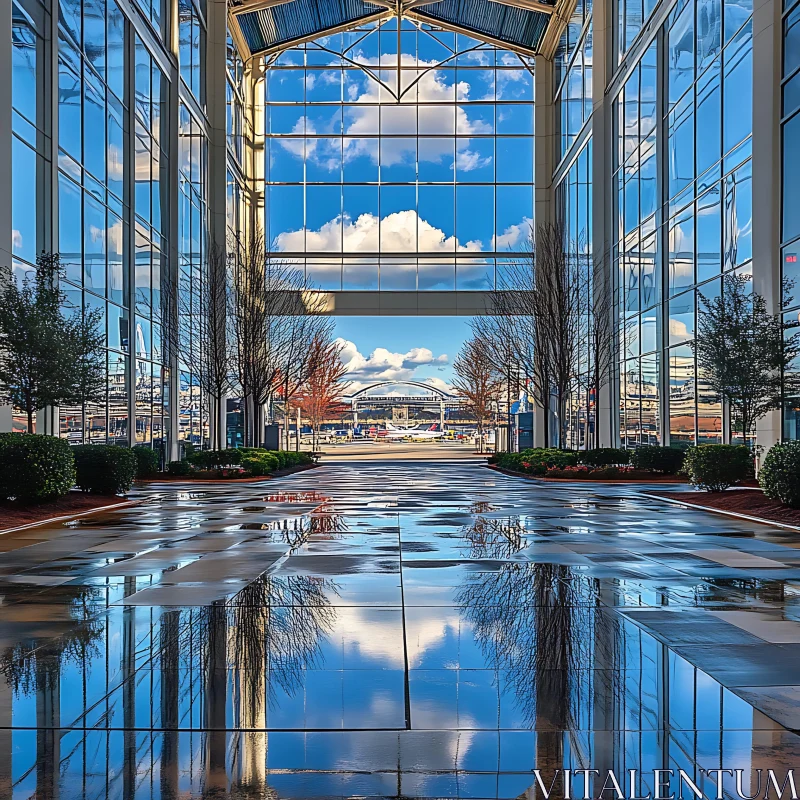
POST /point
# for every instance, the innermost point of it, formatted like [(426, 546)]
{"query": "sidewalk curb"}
[(759, 520), (65, 517)]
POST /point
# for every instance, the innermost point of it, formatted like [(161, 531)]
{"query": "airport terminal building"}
[(399, 152)]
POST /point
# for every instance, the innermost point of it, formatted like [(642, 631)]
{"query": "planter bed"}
[(645, 477), (73, 504), (750, 502)]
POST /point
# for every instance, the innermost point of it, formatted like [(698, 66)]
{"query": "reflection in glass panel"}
[(681, 396)]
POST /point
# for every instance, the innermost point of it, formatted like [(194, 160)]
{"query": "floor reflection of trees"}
[(34, 666), (537, 625), (489, 537)]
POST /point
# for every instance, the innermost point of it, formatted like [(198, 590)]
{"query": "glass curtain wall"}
[(572, 76), (572, 79), (111, 188), (150, 244), (426, 193), (93, 203), (30, 164), (574, 203), (677, 232), (193, 417), (790, 220)]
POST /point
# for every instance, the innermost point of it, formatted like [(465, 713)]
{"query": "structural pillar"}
[(441, 416), (767, 51), (606, 416), (544, 164)]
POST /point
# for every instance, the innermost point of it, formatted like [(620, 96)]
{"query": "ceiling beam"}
[(473, 34), (527, 5), (345, 26), (246, 7)]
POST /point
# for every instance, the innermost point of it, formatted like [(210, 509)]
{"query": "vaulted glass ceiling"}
[(268, 26)]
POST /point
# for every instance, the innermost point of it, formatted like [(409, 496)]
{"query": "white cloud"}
[(678, 331), (400, 232), (513, 235), (440, 119), (16, 240), (385, 365)]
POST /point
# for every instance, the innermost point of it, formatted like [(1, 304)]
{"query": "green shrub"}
[(605, 457), (147, 461), (179, 468), (550, 456), (668, 460), (715, 467), (215, 459), (780, 474), (35, 468), (104, 468), (259, 464)]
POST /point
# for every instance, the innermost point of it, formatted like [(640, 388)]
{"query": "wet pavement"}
[(393, 630)]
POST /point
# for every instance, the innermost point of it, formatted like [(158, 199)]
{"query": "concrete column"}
[(544, 141), (767, 51), (216, 110), (544, 164), (172, 424), (607, 400)]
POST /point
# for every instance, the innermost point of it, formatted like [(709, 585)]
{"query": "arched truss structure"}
[(440, 394), (527, 27)]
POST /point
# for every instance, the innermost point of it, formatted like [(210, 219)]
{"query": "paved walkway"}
[(392, 629)]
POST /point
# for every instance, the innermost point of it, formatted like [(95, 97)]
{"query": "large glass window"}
[(91, 198), (432, 175), (707, 81)]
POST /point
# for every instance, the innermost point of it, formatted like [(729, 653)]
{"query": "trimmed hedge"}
[(779, 476), (605, 457), (668, 460), (262, 462), (104, 468), (535, 461), (715, 467), (215, 459), (258, 464), (147, 461), (179, 468), (35, 468)]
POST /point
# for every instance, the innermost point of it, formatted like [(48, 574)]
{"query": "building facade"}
[(400, 162)]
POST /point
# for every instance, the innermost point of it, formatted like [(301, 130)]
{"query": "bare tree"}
[(323, 386), (247, 325), (297, 355), (598, 333), (195, 330), (503, 346), (540, 304), (478, 379), (273, 317)]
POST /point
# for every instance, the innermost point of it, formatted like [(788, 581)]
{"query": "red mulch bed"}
[(577, 479), (73, 503), (741, 501)]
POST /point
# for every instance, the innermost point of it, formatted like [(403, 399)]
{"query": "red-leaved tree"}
[(323, 385)]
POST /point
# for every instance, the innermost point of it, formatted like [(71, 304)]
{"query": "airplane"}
[(392, 432)]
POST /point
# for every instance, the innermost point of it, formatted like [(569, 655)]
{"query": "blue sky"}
[(408, 348)]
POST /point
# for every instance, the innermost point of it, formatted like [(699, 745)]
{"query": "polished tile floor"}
[(393, 630)]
